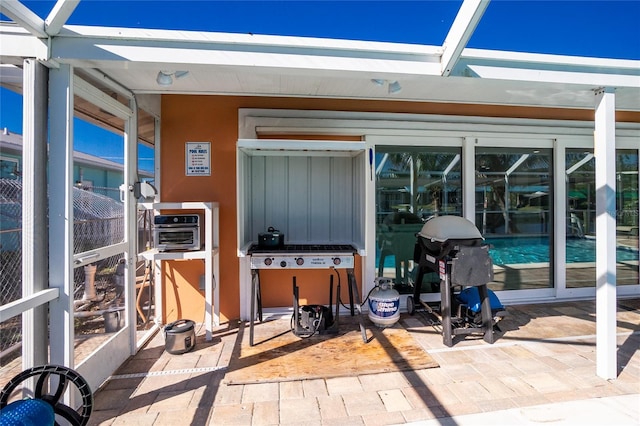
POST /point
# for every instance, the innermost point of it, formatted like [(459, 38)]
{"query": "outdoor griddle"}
[(304, 256), (453, 247)]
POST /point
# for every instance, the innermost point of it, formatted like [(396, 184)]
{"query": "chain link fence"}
[(98, 222), (10, 265)]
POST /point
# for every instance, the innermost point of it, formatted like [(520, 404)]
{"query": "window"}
[(9, 168)]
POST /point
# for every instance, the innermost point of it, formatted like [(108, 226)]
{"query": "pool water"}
[(528, 250), (508, 251)]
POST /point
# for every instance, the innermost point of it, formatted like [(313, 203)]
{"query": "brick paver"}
[(546, 354), (299, 411), (237, 414), (261, 392), (332, 407), (266, 413), (394, 400)]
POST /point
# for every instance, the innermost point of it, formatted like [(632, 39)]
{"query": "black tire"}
[(411, 307), (65, 376)]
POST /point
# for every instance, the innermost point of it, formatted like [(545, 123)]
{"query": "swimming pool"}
[(530, 250), (509, 251)]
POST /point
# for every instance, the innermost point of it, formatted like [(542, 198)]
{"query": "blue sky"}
[(608, 29), (583, 28)]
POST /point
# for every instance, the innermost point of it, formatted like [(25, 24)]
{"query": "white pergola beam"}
[(561, 77), (110, 83), (605, 153), (24, 17), (323, 57), (18, 43), (460, 32), (59, 15), (100, 99), (547, 61)]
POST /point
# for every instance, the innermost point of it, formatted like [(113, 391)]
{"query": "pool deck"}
[(541, 369)]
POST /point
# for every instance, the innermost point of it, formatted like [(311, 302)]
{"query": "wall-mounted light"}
[(394, 86), (165, 78)]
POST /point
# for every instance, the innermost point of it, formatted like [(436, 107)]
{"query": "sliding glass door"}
[(513, 192), (581, 218), (513, 196), (413, 184), (627, 217)]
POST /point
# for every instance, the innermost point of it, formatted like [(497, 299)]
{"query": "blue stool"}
[(27, 412), (46, 404)]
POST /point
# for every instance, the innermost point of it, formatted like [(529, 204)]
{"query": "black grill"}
[(452, 247)]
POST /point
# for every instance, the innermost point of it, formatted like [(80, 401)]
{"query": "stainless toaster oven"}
[(176, 232)]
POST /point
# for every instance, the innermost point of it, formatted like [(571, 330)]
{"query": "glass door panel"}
[(412, 185), (145, 283), (581, 213), (581, 218), (513, 212), (627, 217), (99, 296)]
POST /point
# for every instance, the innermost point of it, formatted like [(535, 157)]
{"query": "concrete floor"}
[(545, 354)]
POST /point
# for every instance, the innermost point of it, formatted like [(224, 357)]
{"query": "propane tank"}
[(384, 303)]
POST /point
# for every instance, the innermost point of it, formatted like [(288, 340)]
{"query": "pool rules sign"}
[(198, 159)]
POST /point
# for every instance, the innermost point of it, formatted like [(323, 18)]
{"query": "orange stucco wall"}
[(191, 118), (314, 285)]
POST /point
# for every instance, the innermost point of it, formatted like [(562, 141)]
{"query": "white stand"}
[(210, 256)]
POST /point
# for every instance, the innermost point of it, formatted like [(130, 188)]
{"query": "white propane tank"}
[(384, 303)]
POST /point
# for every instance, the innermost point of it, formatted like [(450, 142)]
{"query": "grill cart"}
[(453, 247)]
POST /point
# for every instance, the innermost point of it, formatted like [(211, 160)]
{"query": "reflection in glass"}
[(513, 213), (581, 218), (412, 185), (627, 217)]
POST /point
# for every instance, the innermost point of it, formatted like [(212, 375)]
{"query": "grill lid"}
[(443, 228)]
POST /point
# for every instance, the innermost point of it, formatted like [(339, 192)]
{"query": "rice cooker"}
[(180, 336), (271, 239)]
